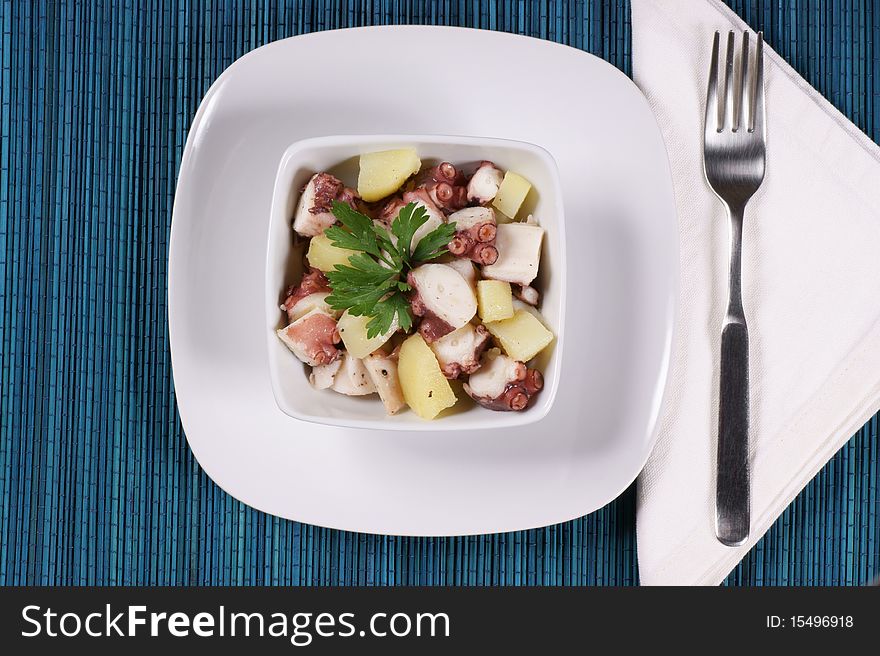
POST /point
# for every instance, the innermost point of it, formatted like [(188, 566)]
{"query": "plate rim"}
[(671, 299)]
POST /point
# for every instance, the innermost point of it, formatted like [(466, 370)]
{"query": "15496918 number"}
[(821, 621), (810, 622)]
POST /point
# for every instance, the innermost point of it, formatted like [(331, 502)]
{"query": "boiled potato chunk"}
[(384, 172), (495, 300), (325, 256), (522, 336), (511, 194), (501, 217), (425, 388), (353, 331)]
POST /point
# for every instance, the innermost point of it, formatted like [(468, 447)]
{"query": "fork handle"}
[(732, 491), (732, 486)]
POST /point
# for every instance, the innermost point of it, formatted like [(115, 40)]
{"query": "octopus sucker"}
[(445, 185), (475, 233), (503, 383), (459, 351)]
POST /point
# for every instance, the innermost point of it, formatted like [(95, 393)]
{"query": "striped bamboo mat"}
[(97, 485)]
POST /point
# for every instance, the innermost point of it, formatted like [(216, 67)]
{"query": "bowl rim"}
[(387, 141)]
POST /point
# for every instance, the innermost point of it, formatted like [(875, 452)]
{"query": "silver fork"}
[(733, 159)]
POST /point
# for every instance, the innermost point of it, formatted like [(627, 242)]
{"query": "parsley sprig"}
[(374, 284)]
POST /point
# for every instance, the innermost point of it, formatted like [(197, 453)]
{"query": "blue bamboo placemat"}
[(97, 485)]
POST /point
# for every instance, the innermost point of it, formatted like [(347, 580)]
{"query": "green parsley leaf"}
[(362, 270), (410, 218), (374, 282), (359, 287), (434, 243), (358, 300), (395, 304), (358, 233)]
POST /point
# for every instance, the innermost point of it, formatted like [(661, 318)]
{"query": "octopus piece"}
[(312, 282), (475, 231), (352, 378), (484, 183), (527, 294), (313, 214), (435, 217), (316, 301), (382, 369), (348, 196), (312, 338), (459, 352), (443, 299), (322, 376), (466, 268), (519, 253), (503, 383), (390, 210), (445, 185)]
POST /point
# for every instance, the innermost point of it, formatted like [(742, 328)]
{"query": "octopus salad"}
[(418, 285)]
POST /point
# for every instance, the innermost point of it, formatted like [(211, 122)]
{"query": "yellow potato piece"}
[(511, 194), (501, 217), (353, 331), (495, 300), (521, 337), (425, 388), (325, 256), (384, 172)]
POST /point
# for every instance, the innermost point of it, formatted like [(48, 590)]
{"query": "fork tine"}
[(741, 81), (726, 116), (712, 107), (756, 113)]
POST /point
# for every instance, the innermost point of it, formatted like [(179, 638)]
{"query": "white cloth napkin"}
[(811, 276)]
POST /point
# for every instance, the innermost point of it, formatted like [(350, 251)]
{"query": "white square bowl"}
[(284, 264)]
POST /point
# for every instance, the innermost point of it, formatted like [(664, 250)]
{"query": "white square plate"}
[(622, 265), (339, 155)]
